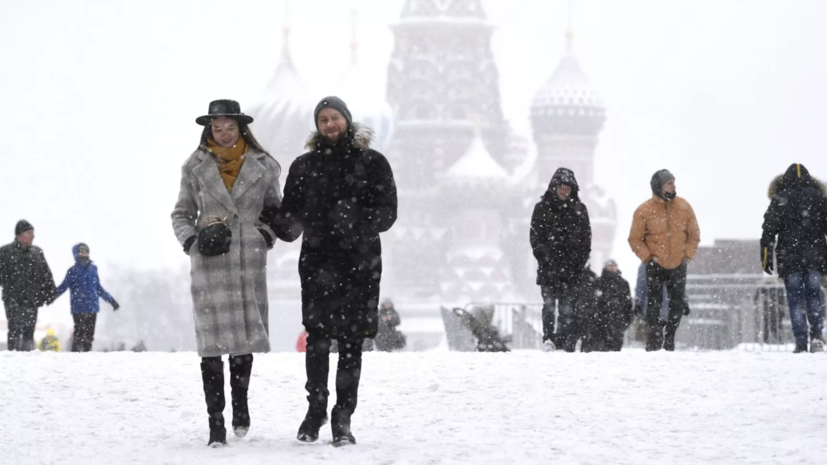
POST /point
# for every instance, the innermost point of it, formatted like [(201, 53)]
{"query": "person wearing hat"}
[(85, 291), (665, 236), (225, 184), (340, 195), (50, 343), (561, 239), (614, 305), (794, 229), (27, 284)]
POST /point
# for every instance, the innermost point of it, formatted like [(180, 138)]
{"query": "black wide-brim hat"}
[(224, 109)]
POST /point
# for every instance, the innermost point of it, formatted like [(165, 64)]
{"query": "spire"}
[(570, 31), (354, 44), (285, 47)]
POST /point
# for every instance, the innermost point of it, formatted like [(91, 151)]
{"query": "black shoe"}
[(799, 348), (240, 368), (654, 339), (212, 374), (340, 427), (669, 343), (218, 433), (313, 422)]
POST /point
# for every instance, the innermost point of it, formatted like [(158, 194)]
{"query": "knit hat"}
[(660, 178), (22, 226), (332, 102), (609, 263)]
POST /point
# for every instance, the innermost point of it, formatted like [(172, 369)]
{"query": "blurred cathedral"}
[(467, 183)]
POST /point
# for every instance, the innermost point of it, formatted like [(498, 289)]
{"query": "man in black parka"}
[(795, 225), (27, 284), (561, 239), (340, 195)]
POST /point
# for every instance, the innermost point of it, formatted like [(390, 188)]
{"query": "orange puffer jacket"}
[(666, 231)]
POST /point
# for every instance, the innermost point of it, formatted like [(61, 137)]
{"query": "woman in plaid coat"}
[(229, 179)]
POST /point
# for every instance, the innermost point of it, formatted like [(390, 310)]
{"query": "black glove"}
[(267, 238), (766, 259), (653, 262), (686, 310), (638, 310), (115, 305), (187, 244)]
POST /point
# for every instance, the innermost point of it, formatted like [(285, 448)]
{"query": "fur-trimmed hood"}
[(362, 137), (795, 176)]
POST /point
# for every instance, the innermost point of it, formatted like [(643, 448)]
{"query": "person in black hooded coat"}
[(561, 239), (794, 227), (615, 308), (340, 195)]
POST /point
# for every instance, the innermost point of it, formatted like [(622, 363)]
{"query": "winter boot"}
[(654, 338), (240, 368), (315, 418), (212, 374), (799, 348), (340, 426), (548, 346), (816, 345)]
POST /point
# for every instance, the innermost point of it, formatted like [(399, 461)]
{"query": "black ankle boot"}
[(315, 418), (212, 374), (340, 426), (654, 338), (240, 369)]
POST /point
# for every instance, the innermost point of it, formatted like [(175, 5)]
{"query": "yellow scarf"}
[(229, 160)]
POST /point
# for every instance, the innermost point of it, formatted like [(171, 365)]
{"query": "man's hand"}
[(115, 305), (766, 259)]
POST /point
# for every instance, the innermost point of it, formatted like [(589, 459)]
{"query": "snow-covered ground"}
[(427, 408)]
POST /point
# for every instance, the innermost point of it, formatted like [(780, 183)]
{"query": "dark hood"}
[(76, 251), (796, 176), (562, 176)]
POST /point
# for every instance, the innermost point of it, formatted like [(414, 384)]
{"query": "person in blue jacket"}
[(85, 290)]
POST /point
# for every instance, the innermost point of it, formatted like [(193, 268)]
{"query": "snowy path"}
[(427, 408)]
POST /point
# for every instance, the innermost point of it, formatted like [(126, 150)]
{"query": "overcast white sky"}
[(99, 99)]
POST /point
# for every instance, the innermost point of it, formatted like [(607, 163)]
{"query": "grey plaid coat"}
[(229, 292)]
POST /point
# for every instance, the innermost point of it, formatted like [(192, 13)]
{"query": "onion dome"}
[(284, 113), (476, 178), (567, 103)]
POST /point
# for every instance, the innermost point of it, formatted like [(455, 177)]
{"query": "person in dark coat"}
[(86, 290), (225, 185), (794, 227), (615, 307), (561, 239), (389, 338), (340, 195), (586, 322), (27, 284)]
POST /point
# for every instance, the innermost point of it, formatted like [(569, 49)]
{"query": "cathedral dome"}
[(567, 103), (284, 113), (476, 178)]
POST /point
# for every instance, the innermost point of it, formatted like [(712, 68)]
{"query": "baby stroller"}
[(487, 335)]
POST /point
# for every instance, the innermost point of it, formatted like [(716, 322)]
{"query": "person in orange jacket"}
[(665, 236)]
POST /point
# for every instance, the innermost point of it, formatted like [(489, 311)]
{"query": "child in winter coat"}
[(50, 343), (82, 279)]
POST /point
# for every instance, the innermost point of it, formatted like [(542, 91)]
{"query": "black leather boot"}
[(212, 374), (340, 427), (240, 368), (313, 421)]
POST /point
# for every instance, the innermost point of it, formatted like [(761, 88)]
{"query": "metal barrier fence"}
[(727, 312)]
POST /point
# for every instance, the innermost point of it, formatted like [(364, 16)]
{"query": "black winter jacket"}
[(340, 197), (797, 217), (25, 276), (561, 235)]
